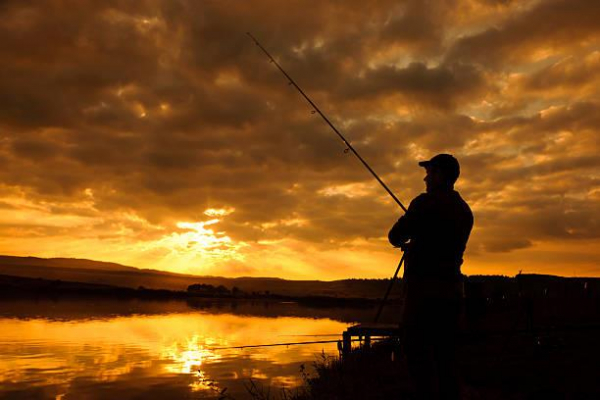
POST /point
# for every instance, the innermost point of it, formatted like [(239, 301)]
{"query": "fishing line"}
[(282, 344)]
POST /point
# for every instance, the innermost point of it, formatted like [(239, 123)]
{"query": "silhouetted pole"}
[(389, 289), (348, 147)]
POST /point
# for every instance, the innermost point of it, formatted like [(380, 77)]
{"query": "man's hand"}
[(404, 246)]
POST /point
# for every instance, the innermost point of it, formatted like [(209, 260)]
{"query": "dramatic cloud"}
[(156, 134)]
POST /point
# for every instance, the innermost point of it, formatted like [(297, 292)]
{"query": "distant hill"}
[(104, 273), (96, 272), (76, 263)]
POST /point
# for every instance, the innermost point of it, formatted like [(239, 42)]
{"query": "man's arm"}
[(404, 228)]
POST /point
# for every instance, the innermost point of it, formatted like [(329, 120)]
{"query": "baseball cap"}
[(446, 163)]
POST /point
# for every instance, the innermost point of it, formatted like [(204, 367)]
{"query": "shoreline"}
[(16, 287)]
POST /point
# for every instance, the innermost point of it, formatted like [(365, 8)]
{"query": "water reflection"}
[(159, 356)]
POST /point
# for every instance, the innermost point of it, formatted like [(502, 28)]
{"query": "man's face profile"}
[(434, 179)]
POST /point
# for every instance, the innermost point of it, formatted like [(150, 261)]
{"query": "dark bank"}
[(528, 337)]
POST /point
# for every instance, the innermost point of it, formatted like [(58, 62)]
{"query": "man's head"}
[(442, 171)]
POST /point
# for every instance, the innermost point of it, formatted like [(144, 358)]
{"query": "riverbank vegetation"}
[(527, 338), (558, 364)]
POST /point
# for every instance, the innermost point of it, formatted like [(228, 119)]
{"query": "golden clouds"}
[(119, 122)]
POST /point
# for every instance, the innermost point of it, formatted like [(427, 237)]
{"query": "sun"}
[(199, 241)]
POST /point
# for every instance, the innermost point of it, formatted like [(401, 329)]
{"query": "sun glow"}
[(188, 358), (198, 239), (191, 242)]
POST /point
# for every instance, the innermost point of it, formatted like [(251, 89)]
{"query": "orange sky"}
[(155, 134)]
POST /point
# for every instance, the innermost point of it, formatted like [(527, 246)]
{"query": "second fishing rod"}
[(348, 147)]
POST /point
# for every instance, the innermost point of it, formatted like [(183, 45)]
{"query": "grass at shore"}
[(553, 364), (376, 373)]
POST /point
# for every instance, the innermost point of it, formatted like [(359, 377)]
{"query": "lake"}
[(110, 349)]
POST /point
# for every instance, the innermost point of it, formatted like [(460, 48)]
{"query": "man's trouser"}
[(430, 324)]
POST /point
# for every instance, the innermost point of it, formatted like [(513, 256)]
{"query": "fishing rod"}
[(280, 344), (317, 110), (348, 147), (389, 289)]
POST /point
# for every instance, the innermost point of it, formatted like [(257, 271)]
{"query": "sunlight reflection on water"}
[(158, 356)]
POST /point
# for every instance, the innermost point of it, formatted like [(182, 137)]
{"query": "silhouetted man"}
[(434, 233)]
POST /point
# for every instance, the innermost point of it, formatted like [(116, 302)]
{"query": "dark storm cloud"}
[(540, 200), (414, 26), (548, 25), (163, 109), (439, 87)]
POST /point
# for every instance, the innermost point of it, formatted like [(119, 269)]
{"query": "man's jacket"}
[(438, 225)]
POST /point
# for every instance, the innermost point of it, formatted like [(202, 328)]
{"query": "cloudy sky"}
[(156, 134)]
